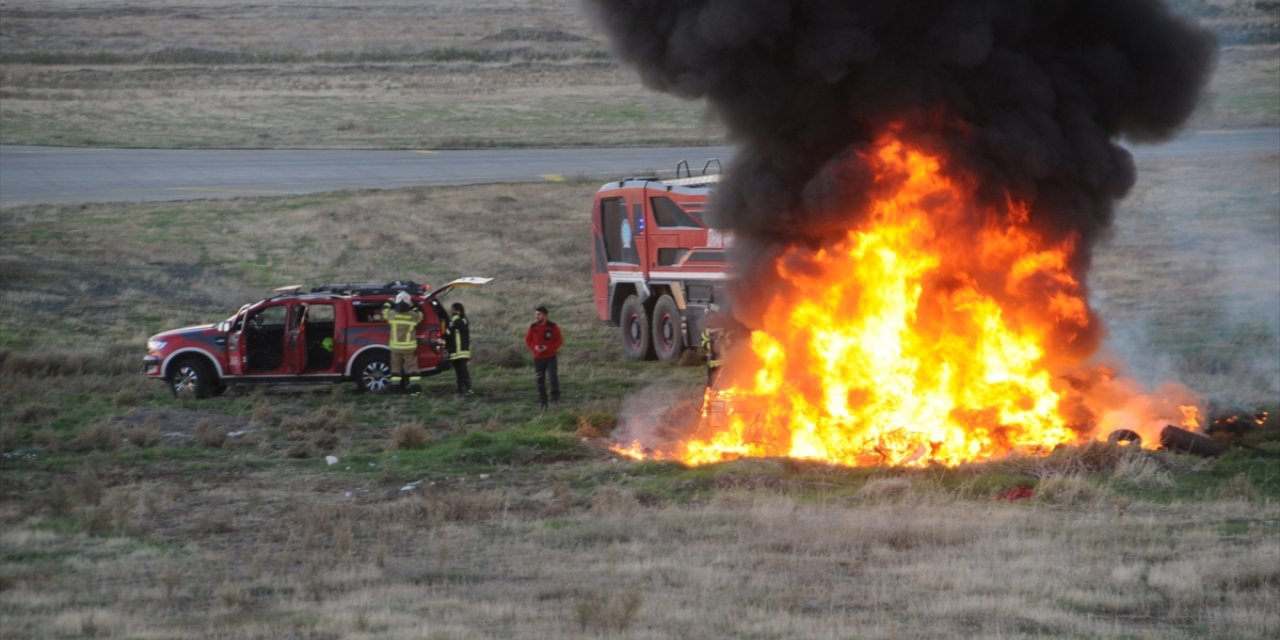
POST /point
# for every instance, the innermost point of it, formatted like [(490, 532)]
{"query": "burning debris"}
[(916, 193), (1233, 427)]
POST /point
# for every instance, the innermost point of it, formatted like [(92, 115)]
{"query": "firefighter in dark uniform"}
[(458, 339), (404, 318), (715, 340)]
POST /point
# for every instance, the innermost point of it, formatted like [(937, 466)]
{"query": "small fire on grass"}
[(938, 330)]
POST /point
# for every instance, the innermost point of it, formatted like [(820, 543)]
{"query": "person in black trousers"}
[(544, 340), (458, 339)]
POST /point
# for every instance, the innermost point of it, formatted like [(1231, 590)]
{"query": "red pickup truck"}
[(332, 333)]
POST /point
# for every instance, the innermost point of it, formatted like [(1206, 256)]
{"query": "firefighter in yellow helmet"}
[(404, 318)]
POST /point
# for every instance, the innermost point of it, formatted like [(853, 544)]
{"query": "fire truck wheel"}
[(635, 330), (373, 373), (667, 341), (191, 377)]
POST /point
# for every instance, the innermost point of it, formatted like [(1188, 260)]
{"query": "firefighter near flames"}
[(715, 342), (906, 224)]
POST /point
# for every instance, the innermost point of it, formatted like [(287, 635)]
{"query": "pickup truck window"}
[(368, 311)]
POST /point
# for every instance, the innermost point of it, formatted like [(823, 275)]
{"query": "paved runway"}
[(30, 175)]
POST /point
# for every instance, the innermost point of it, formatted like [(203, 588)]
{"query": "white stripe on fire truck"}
[(688, 275)]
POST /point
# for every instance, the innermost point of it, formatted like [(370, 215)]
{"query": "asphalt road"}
[(33, 175)]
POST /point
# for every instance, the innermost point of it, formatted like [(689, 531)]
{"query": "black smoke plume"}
[(1030, 96)]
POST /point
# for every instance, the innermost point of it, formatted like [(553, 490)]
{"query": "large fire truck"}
[(659, 268)]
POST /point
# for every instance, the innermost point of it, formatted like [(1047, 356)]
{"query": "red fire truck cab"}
[(658, 267)]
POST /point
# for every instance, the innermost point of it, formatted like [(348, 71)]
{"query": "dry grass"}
[(297, 74), (474, 564), (184, 263), (403, 74), (409, 435)]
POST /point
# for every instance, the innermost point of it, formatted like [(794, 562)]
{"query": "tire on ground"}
[(1125, 437)]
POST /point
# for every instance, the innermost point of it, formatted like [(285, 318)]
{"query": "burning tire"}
[(634, 323), (1125, 438), (667, 341)]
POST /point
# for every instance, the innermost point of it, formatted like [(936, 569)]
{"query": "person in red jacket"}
[(543, 340)]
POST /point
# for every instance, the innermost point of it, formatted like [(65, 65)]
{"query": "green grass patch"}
[(39, 556), (480, 451), (10, 339)]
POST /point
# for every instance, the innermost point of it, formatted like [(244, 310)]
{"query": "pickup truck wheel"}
[(373, 373), (635, 330), (191, 377), (667, 341)]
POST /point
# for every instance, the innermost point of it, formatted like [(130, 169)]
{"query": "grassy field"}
[(126, 513), (402, 74), (405, 74)]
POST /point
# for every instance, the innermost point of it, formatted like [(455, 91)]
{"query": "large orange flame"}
[(929, 333)]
